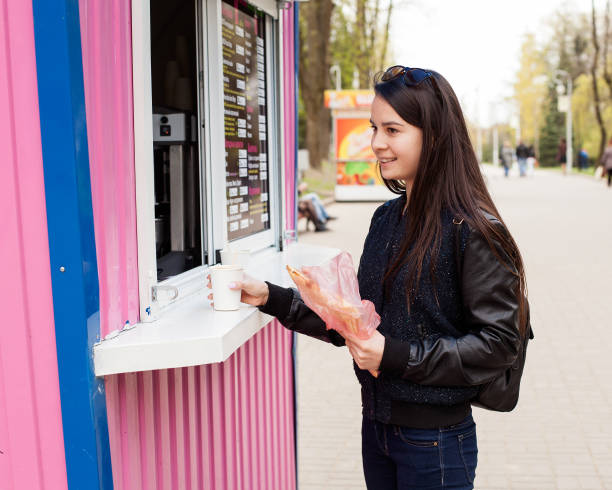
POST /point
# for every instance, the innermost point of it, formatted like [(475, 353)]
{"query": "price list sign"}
[(246, 146)]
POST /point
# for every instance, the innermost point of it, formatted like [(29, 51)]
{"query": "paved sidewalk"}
[(560, 436)]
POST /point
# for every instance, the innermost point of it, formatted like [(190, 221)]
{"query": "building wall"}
[(31, 437), (223, 426)]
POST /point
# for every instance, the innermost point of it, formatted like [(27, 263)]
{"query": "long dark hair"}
[(448, 178)]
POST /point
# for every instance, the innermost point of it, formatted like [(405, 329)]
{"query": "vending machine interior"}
[(177, 192)]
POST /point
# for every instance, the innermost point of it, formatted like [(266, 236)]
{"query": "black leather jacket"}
[(488, 343)]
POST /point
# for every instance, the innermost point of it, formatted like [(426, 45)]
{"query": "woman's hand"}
[(254, 291), (367, 353)]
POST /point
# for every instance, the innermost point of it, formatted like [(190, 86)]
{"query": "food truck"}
[(357, 174), (142, 137)]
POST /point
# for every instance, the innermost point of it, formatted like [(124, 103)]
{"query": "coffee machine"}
[(177, 192)]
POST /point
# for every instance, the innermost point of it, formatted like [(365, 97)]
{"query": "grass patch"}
[(323, 180)]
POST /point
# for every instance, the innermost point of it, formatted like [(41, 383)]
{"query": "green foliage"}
[(343, 47), (569, 47), (506, 132), (586, 130), (552, 130), (487, 146), (529, 95), (360, 48)]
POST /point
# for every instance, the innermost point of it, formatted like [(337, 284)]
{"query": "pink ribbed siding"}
[(31, 437), (222, 426), (107, 72)]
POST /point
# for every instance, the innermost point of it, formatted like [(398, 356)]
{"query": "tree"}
[(529, 95), (597, 99), (567, 49), (314, 63), (552, 129), (580, 44), (360, 38), (343, 46), (329, 34), (569, 41), (586, 128)]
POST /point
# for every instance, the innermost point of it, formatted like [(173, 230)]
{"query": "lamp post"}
[(560, 76), (335, 70)]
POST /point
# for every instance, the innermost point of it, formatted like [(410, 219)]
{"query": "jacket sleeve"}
[(288, 307), (491, 317)]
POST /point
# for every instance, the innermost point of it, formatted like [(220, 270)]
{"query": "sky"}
[(474, 44)]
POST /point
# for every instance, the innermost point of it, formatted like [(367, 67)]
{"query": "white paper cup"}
[(224, 298), (235, 257)]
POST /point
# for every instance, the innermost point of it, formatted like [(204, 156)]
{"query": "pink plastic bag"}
[(332, 292)]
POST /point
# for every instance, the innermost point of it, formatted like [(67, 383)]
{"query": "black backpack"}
[(502, 393)]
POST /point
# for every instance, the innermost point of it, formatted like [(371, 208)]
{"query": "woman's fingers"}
[(356, 353), (253, 292), (352, 350)]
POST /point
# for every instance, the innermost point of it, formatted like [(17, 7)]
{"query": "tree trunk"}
[(385, 43), (362, 61), (596, 101), (606, 42), (315, 26), (372, 33)]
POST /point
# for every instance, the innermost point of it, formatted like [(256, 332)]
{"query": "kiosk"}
[(357, 175), (141, 138)]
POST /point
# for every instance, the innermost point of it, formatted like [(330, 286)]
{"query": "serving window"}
[(176, 161), (206, 139)]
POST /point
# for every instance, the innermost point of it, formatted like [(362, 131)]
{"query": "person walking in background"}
[(562, 154), (531, 159), (446, 277), (522, 152), (583, 159), (507, 156), (606, 161)]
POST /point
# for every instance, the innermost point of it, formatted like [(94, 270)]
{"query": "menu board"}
[(245, 121)]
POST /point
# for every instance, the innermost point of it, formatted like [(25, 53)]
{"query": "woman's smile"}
[(396, 143)]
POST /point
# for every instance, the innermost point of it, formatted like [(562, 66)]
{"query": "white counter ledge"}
[(192, 333)]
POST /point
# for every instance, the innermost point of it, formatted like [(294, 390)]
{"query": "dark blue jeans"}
[(399, 458)]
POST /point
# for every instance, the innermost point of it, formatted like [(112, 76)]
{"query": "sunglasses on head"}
[(411, 76)]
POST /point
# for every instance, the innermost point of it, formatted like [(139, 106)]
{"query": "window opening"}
[(178, 220)]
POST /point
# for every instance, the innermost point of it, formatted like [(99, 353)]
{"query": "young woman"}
[(446, 278)]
